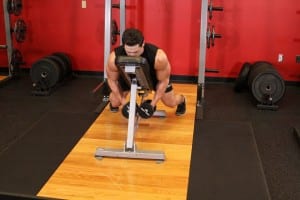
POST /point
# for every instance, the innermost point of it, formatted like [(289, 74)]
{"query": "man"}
[(160, 70)]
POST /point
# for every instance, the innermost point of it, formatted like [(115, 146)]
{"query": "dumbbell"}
[(126, 110), (146, 110)]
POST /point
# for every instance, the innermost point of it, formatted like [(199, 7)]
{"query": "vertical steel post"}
[(9, 46), (122, 18), (202, 58), (107, 33)]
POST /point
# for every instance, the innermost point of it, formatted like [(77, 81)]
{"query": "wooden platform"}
[(82, 176), (2, 77)]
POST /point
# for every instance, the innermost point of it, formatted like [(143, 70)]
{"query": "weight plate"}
[(14, 7), (61, 64), (242, 80), (67, 60), (20, 29), (266, 84), (45, 70)]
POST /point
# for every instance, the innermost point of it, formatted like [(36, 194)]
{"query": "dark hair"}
[(132, 37)]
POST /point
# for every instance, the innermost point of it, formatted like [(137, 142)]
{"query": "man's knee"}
[(169, 100)]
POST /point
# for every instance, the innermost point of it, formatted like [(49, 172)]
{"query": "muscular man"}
[(160, 70)]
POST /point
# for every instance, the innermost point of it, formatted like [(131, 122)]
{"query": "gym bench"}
[(135, 71)]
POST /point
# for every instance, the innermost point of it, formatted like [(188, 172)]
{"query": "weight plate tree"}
[(207, 36)]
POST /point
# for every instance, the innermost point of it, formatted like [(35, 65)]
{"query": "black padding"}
[(129, 60), (142, 72), (226, 163)]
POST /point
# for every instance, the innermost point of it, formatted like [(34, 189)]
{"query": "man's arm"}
[(163, 70), (112, 78)]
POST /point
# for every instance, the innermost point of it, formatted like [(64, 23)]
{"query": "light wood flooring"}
[(82, 176)]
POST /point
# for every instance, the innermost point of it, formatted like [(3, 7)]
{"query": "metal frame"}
[(8, 46), (202, 60), (130, 150), (107, 28)]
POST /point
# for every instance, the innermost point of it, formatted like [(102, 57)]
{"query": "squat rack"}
[(205, 39)]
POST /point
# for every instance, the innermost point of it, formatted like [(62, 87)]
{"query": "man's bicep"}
[(111, 69), (163, 74)]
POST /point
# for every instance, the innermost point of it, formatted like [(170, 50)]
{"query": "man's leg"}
[(115, 101), (171, 99)]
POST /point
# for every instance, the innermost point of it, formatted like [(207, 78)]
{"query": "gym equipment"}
[(242, 80), (48, 72), (14, 56), (16, 62), (67, 63), (110, 32), (14, 7), (266, 85), (114, 32), (19, 30), (146, 110), (207, 37), (126, 110), (212, 8), (211, 36), (134, 70)]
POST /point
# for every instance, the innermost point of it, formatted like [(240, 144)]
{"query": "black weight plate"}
[(46, 70), (242, 80), (265, 82), (67, 61), (61, 64), (257, 68), (20, 30)]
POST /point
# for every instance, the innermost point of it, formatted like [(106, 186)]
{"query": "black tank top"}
[(149, 54)]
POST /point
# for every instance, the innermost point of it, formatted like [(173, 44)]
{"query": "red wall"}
[(251, 31)]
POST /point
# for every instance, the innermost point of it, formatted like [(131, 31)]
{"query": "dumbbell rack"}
[(206, 35)]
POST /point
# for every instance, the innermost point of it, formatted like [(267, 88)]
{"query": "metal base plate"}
[(121, 153), (160, 114), (267, 107)]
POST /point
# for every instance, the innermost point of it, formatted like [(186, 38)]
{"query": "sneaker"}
[(113, 109), (181, 108)]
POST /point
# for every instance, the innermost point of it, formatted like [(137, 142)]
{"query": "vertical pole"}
[(122, 18), (107, 33), (129, 146), (202, 59), (9, 47)]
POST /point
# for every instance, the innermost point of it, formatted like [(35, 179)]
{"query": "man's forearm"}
[(114, 87), (160, 90)]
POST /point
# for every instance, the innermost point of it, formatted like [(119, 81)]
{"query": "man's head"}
[(133, 41)]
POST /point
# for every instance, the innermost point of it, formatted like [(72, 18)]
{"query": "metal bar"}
[(107, 33), (120, 153), (202, 60), (202, 53), (132, 117), (122, 18), (7, 35)]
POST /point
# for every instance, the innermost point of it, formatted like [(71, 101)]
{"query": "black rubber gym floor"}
[(239, 152)]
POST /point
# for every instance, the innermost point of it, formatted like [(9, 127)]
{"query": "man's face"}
[(135, 50)]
